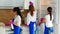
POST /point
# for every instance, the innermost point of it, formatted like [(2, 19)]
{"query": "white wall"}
[(9, 4), (59, 16)]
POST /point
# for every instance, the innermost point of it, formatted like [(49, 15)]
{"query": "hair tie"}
[(31, 3)]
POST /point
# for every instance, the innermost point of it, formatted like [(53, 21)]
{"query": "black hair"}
[(31, 9), (16, 9), (31, 6), (50, 12)]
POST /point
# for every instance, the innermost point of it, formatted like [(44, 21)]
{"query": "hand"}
[(26, 25)]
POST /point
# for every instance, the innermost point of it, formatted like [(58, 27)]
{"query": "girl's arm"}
[(28, 19), (42, 20)]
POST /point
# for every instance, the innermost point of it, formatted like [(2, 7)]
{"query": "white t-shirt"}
[(31, 18), (48, 21), (17, 20)]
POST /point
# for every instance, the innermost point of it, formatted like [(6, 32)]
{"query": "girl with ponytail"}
[(49, 20), (17, 20)]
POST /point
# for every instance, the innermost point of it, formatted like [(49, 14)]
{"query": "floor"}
[(7, 30)]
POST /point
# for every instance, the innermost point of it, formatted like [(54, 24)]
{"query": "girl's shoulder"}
[(47, 16), (18, 17), (35, 11), (28, 13)]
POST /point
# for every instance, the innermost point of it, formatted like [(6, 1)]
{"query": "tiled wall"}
[(5, 15)]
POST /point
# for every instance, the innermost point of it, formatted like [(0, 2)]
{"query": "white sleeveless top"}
[(17, 20), (48, 21), (31, 18)]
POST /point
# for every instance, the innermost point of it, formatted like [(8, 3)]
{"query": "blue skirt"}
[(31, 27), (48, 30), (17, 30)]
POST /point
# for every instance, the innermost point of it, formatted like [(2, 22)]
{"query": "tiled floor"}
[(2, 30), (8, 30), (5, 30)]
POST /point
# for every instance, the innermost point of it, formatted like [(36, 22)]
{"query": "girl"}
[(17, 20), (48, 20), (31, 19)]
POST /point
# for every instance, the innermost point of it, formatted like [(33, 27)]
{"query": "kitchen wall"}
[(5, 15)]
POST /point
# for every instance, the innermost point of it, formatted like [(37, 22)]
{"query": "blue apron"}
[(17, 30), (31, 27), (48, 30)]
